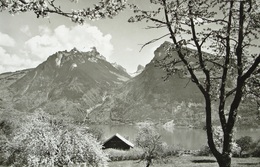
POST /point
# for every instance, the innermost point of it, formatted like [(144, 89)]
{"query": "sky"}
[(26, 41)]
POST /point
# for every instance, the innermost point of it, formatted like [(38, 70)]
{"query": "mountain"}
[(148, 97), (139, 70), (68, 82), (85, 87)]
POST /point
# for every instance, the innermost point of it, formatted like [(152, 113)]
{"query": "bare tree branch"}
[(154, 27), (205, 38), (222, 89), (152, 41), (251, 69)]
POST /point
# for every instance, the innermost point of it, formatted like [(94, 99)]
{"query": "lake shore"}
[(184, 138), (190, 161)]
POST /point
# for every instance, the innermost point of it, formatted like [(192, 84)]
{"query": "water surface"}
[(181, 137)]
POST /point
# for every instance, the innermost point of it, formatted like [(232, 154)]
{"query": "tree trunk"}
[(224, 160), (149, 161)]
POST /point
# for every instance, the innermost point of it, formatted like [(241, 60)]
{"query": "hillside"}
[(148, 97), (69, 83)]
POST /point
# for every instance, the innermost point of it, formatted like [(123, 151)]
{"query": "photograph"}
[(129, 83)]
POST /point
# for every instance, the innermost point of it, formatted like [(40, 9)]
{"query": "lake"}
[(180, 137)]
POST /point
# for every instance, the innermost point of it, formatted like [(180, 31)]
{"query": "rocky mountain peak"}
[(95, 53), (74, 50), (74, 57), (161, 51), (140, 68)]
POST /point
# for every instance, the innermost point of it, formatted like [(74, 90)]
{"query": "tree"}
[(256, 148), (42, 140), (244, 143), (226, 29), (42, 8), (150, 141)]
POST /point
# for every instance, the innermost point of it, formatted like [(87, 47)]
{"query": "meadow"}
[(189, 161)]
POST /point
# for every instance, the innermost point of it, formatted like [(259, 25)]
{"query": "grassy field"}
[(190, 161)]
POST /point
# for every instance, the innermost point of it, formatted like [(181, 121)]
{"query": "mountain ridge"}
[(72, 80), (87, 88)]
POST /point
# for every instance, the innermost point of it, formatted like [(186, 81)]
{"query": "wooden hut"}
[(118, 142)]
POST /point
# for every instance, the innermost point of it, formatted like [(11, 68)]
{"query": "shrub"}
[(256, 149), (121, 155), (135, 153), (256, 152), (205, 151), (97, 133), (170, 151), (245, 143)]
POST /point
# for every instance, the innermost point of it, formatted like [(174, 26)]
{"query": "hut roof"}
[(121, 138)]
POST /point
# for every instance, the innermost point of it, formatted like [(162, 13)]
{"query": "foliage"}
[(42, 8), (122, 155), (204, 151), (150, 141), (97, 133), (219, 139), (42, 140), (256, 149), (245, 143), (136, 153)]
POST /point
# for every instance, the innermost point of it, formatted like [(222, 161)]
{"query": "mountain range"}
[(87, 88)]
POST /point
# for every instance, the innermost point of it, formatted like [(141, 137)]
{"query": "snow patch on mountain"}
[(119, 67), (104, 97), (73, 65), (58, 59), (26, 88), (35, 75), (120, 77)]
